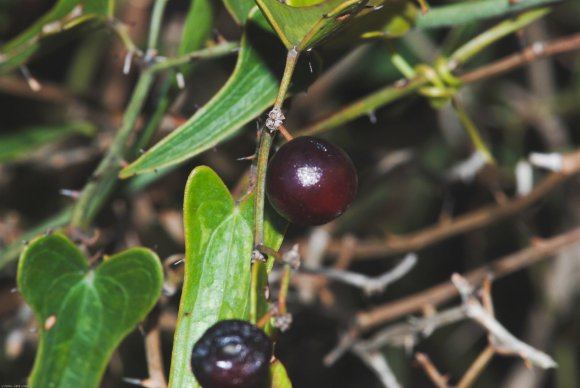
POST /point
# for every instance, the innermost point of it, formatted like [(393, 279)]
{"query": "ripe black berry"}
[(310, 181), (232, 354)]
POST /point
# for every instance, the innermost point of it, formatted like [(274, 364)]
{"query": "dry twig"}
[(444, 291), (465, 223), (436, 377)]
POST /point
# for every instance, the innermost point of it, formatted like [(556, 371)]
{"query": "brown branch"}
[(154, 358), (477, 367), (529, 54), (436, 377), (464, 223), (444, 291)]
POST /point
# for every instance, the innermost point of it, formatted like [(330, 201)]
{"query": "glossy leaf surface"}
[(219, 243), (197, 27), (280, 378), (239, 9), (249, 91), (302, 27), (83, 313)]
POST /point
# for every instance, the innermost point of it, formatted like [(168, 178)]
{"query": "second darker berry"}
[(232, 354), (310, 181)]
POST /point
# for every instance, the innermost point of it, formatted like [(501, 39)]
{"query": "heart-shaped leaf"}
[(83, 313), (218, 247), (302, 27)]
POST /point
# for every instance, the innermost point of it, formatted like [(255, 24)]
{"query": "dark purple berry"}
[(310, 181), (232, 354)]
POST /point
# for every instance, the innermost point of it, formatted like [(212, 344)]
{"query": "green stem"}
[(399, 62), (155, 23), (464, 12), (220, 50), (123, 33), (263, 153), (95, 193), (254, 290), (483, 40), (365, 105), (291, 60), (472, 131), (264, 150)]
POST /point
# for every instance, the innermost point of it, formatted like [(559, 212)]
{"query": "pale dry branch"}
[(445, 291), (370, 285), (405, 334), (377, 363), (500, 338)]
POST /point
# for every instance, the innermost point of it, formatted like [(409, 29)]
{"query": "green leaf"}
[(218, 246), (63, 14), (198, 26), (469, 11), (249, 91), (83, 313), (280, 378), (239, 9), (303, 27), (18, 145)]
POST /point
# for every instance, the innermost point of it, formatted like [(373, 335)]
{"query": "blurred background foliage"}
[(52, 139)]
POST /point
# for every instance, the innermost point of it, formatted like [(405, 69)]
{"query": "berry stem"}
[(262, 162), (284, 131), (283, 294), (264, 150)]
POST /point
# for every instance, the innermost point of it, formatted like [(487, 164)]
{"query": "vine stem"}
[(477, 367), (263, 153), (155, 24), (266, 138), (104, 178), (472, 130)]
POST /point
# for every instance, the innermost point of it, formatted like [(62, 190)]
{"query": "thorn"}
[(218, 36), (127, 62), (123, 163), (14, 290), (147, 383), (251, 157), (141, 151), (372, 117), (32, 82), (24, 242), (180, 79), (50, 322), (74, 194)]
